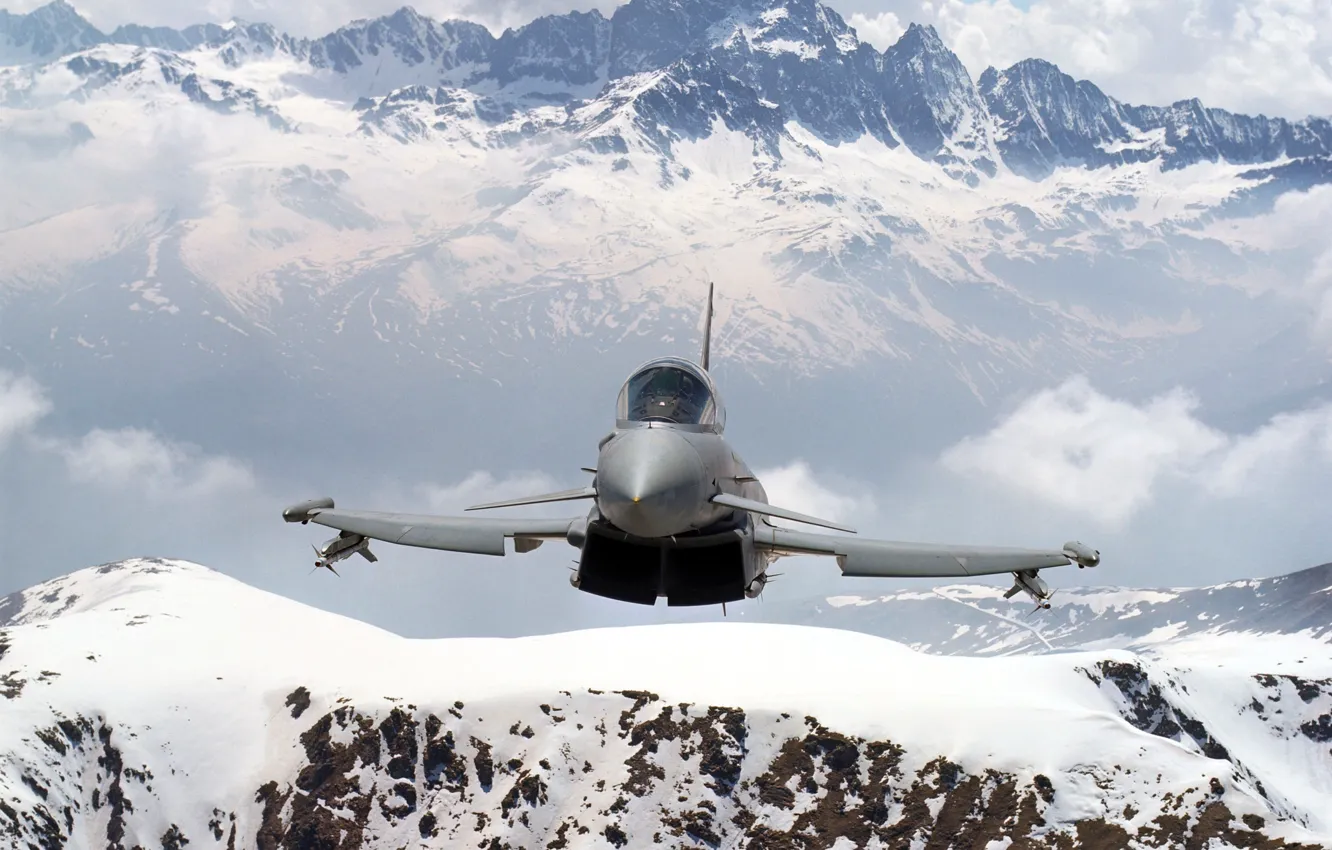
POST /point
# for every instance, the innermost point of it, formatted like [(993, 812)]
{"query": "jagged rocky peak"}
[(45, 33), (685, 101), (802, 56), (1194, 132), (1044, 117), (166, 38), (406, 35), (572, 49), (651, 34), (932, 102), (806, 28)]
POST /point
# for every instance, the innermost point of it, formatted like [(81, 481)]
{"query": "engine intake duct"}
[(620, 570), (705, 576), (640, 572)]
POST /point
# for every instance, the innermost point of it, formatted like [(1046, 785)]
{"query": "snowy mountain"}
[(229, 209), (50, 32), (157, 703), (798, 55), (977, 620)]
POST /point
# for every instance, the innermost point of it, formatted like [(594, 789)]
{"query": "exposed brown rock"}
[(484, 764), (298, 701), (816, 788)]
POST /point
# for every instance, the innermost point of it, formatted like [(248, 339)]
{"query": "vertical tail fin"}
[(707, 331)]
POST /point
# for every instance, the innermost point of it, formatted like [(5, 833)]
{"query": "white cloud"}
[(795, 487), (134, 165), (480, 487), (143, 464), (1296, 225), (22, 403), (1296, 220), (1268, 454), (880, 30), (1107, 458)]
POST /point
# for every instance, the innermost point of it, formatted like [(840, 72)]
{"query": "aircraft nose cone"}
[(650, 483)]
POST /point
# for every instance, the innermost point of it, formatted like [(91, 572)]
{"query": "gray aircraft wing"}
[(886, 559), (480, 536)]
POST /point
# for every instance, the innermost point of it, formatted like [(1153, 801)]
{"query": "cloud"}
[(480, 486), (64, 157), (1074, 440), (1265, 459), (1169, 499), (880, 30), (70, 501), (140, 462), (1296, 226), (795, 487), (1108, 459), (22, 404)]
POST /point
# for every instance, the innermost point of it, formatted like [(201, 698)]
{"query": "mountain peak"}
[(45, 33), (921, 34), (406, 15), (58, 12), (94, 588), (1033, 67)]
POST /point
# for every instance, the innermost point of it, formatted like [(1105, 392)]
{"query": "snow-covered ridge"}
[(260, 721), (797, 54), (1290, 614)]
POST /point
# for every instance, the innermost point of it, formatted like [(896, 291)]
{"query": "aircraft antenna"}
[(707, 331)]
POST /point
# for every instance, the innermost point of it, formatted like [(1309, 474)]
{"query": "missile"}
[(342, 547), (756, 586), (1081, 554), (1030, 583)]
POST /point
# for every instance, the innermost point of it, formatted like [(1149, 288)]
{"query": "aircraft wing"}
[(477, 535), (887, 559)]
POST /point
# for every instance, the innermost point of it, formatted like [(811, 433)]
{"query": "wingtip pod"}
[(1081, 554), (304, 510)]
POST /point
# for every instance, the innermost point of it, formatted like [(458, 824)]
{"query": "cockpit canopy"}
[(671, 390)]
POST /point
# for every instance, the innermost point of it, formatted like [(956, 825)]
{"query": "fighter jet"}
[(676, 513)]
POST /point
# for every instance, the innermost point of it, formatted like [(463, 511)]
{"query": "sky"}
[(1162, 494), (1269, 56)]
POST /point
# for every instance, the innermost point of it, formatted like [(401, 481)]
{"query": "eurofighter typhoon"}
[(677, 514)]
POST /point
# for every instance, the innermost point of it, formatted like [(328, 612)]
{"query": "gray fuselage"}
[(656, 479)]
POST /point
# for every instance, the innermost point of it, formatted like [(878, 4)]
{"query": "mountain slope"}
[(263, 723), (1291, 612)]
